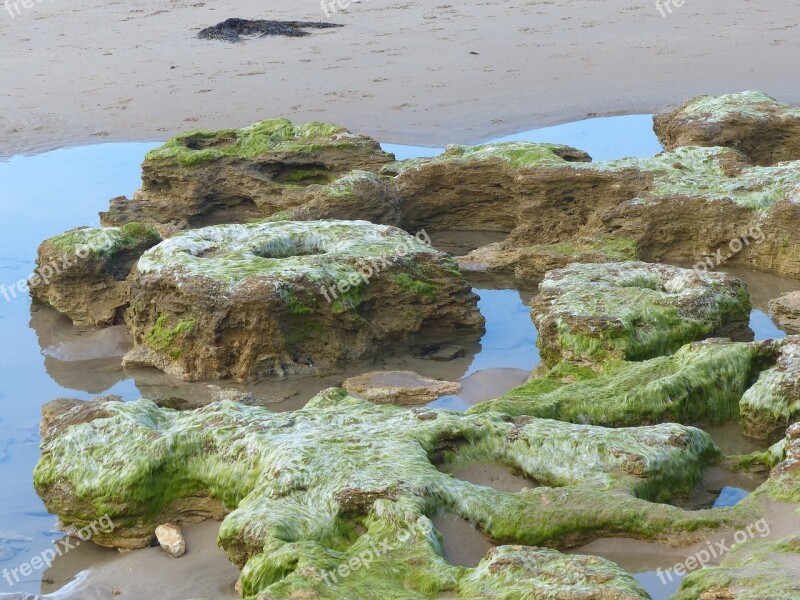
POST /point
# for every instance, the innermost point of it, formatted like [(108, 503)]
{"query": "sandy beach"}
[(410, 72)]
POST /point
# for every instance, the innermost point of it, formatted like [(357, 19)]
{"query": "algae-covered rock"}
[(289, 298), (311, 491), (786, 311), (590, 313), (235, 175), (752, 122), (773, 403), (522, 572), (472, 187), (83, 273), (701, 382), (757, 569)]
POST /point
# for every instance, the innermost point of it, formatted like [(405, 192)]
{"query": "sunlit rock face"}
[(272, 300), (765, 130)]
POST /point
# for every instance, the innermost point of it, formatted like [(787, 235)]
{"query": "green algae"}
[(317, 251), (274, 135), (751, 104), (105, 242), (345, 186), (298, 485), (631, 311), (161, 337), (702, 382), (756, 569)]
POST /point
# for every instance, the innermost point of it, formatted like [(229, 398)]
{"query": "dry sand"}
[(409, 72)]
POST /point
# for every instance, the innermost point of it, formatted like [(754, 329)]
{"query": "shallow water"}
[(43, 357)]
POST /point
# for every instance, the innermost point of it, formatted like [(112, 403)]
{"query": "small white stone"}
[(171, 539)]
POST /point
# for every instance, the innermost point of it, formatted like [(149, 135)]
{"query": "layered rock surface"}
[(235, 175), (83, 273), (311, 490), (786, 311), (286, 298), (765, 130)]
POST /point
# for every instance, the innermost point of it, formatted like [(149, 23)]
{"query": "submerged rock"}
[(399, 387), (701, 382), (235, 175), (289, 298), (786, 311), (83, 273), (591, 313), (773, 403), (765, 130), (309, 492)]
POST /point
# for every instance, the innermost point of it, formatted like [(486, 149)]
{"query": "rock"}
[(588, 314), (756, 568), (765, 130), (471, 187), (358, 195), (523, 572), (235, 175), (442, 353), (272, 300), (302, 482), (399, 387), (702, 382), (786, 311), (61, 413), (83, 273), (773, 402), (171, 540)]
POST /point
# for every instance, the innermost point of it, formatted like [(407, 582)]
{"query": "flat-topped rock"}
[(286, 298), (235, 175), (399, 387), (588, 314), (83, 273), (765, 130), (309, 491)]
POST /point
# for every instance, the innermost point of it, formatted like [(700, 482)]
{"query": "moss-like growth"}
[(756, 569), (105, 242), (274, 135), (590, 313), (310, 491), (702, 382), (162, 337)]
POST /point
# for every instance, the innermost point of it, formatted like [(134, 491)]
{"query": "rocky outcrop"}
[(773, 403), (786, 311), (203, 178), (171, 539), (765, 130), (471, 187), (310, 491), (271, 300), (588, 314), (399, 387), (702, 382), (83, 273)]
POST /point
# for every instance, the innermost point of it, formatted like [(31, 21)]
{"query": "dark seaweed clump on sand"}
[(232, 30)]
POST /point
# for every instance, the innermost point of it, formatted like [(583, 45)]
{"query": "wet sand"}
[(411, 72)]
